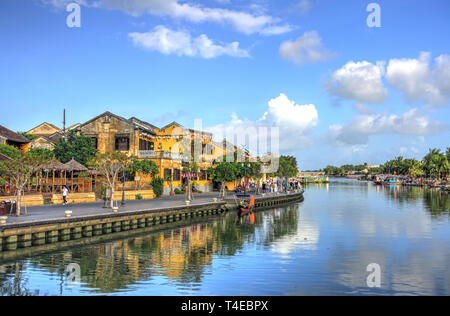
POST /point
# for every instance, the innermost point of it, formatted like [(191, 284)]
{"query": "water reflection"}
[(180, 255), (320, 246), (435, 201)]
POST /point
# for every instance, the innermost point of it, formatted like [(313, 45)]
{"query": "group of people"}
[(274, 186)]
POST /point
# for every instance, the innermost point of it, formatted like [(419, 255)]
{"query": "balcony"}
[(159, 154)]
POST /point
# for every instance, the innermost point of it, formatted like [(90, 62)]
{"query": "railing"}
[(159, 154)]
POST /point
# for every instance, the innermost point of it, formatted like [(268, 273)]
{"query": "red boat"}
[(245, 209)]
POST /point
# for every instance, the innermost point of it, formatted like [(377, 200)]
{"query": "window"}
[(176, 175), (123, 143), (167, 174), (146, 145), (202, 175)]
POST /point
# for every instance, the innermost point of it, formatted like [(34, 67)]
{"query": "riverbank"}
[(48, 225)]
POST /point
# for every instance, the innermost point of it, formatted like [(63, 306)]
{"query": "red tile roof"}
[(11, 136)]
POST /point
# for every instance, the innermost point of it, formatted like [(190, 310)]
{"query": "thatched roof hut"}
[(74, 165), (53, 165)]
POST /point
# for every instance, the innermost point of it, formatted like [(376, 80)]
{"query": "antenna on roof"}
[(64, 121)]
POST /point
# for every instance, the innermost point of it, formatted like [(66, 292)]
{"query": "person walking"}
[(65, 192)]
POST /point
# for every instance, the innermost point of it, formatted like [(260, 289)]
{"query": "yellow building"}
[(47, 135), (165, 146)]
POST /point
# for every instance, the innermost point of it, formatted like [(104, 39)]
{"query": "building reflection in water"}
[(180, 255)]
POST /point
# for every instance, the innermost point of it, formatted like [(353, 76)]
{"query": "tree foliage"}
[(144, 167), (189, 171), (19, 170), (27, 136), (109, 165), (45, 153), (287, 167), (223, 172), (435, 164), (158, 186), (80, 147), (9, 151)]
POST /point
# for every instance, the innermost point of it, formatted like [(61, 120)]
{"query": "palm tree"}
[(436, 163)]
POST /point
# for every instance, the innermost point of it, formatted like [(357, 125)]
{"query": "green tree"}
[(80, 147), (223, 172), (287, 167), (9, 151), (143, 167), (158, 186), (109, 165), (18, 172), (45, 153), (27, 136), (436, 164), (190, 171)]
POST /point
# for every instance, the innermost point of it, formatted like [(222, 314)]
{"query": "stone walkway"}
[(49, 212), (45, 212)]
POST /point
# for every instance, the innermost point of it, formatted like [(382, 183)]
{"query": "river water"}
[(321, 246)]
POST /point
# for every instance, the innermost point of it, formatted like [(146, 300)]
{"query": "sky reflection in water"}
[(321, 246)]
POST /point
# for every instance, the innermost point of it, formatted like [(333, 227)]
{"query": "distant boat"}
[(306, 180)]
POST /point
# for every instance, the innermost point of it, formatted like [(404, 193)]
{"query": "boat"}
[(317, 180), (394, 180), (247, 208), (379, 179)]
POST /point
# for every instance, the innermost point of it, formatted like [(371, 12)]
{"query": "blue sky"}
[(340, 91)]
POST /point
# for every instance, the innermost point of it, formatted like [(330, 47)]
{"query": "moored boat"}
[(246, 208)]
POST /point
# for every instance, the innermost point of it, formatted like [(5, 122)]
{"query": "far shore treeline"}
[(435, 165)]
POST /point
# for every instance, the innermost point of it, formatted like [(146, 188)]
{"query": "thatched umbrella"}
[(53, 165), (72, 166)]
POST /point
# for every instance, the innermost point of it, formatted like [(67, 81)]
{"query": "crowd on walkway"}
[(274, 185)]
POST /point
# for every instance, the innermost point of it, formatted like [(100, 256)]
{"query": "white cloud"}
[(413, 123), (442, 73), (416, 79), (244, 22), (360, 81), (294, 121), (418, 82), (308, 48), (62, 4), (304, 6), (168, 42)]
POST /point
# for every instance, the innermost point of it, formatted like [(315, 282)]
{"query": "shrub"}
[(139, 197), (158, 186), (178, 191)]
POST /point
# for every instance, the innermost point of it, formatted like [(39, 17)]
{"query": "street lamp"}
[(123, 189), (245, 177)]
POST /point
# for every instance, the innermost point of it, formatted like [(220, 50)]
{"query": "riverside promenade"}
[(49, 212), (48, 225)]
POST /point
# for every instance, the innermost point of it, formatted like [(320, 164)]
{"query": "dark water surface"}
[(321, 246)]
